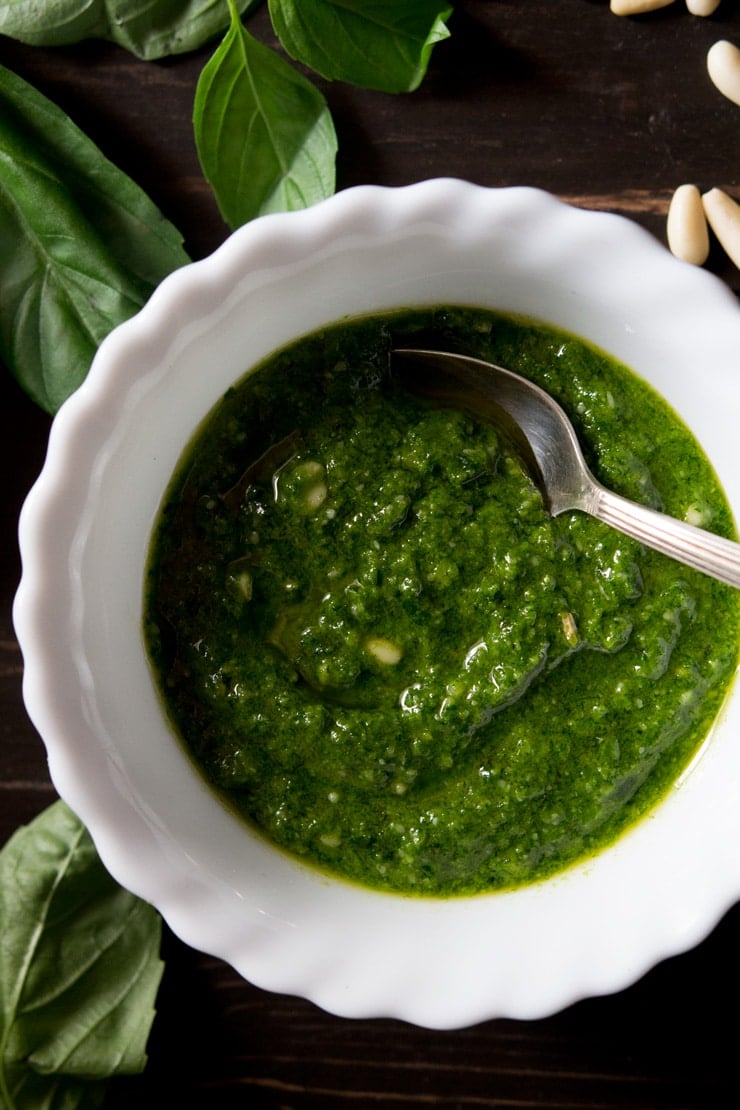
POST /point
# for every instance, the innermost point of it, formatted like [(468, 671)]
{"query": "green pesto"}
[(385, 655)]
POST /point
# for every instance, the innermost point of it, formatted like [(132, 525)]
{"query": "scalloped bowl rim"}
[(84, 530)]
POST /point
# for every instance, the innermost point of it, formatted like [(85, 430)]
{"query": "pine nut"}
[(637, 7), (723, 64), (703, 7), (686, 228), (384, 650), (315, 496), (723, 214), (570, 629)]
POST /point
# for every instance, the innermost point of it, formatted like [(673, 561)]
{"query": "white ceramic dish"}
[(84, 536)]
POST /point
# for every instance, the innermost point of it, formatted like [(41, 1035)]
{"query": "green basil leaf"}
[(82, 247), (148, 28), (376, 44), (264, 133), (79, 968)]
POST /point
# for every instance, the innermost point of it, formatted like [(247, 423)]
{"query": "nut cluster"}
[(691, 214)]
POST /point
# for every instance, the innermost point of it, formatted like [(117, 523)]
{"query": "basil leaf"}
[(264, 133), (79, 968), (148, 28), (376, 44), (82, 246)]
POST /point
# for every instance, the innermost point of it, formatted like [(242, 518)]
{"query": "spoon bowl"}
[(545, 438)]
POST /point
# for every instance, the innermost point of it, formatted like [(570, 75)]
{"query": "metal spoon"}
[(544, 436)]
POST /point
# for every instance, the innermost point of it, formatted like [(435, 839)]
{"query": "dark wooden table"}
[(608, 113)]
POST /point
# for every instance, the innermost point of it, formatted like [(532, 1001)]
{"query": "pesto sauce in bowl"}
[(380, 649)]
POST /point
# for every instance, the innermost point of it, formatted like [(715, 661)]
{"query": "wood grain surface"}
[(607, 113)]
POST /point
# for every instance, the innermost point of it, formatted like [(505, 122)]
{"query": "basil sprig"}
[(79, 969), (148, 28), (374, 44), (264, 133), (82, 246)]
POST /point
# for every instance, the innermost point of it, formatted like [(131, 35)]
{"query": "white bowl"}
[(84, 535)]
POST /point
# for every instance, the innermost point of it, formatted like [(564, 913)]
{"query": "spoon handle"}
[(714, 555)]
